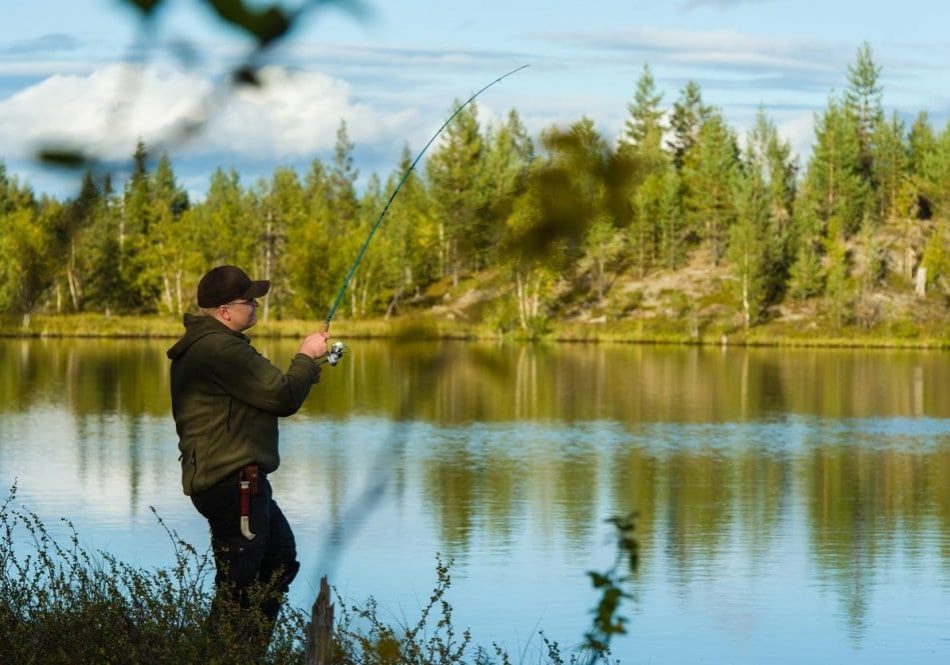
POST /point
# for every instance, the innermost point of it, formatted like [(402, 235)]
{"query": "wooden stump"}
[(320, 628)]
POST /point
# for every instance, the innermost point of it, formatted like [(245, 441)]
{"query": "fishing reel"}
[(335, 354)]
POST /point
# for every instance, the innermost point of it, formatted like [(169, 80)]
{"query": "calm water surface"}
[(794, 505)]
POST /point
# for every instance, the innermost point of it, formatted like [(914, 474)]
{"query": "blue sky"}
[(394, 72)]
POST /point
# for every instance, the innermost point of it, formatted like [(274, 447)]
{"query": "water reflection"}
[(829, 467), (483, 382)]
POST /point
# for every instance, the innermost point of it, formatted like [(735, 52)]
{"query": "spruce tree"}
[(688, 117), (455, 173), (643, 129), (834, 185), (709, 179), (862, 101)]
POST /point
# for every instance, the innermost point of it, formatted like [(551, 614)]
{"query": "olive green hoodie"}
[(226, 398)]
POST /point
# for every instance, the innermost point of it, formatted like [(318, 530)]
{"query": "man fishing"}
[(226, 399)]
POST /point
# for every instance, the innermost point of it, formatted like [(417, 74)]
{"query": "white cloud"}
[(712, 49), (296, 114), (799, 131), (107, 111)]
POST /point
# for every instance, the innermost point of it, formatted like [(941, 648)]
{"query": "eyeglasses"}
[(251, 302)]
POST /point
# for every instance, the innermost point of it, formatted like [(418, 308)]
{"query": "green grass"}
[(902, 333)]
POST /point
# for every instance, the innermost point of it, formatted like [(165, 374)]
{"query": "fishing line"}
[(405, 177)]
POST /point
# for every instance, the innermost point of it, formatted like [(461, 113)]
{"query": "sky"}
[(85, 73)]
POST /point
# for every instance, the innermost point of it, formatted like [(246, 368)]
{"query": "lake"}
[(793, 505)]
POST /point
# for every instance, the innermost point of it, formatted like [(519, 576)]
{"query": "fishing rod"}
[(336, 350)]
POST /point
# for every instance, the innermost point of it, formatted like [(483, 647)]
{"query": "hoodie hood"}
[(197, 327)]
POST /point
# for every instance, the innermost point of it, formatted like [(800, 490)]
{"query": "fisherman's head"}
[(230, 296)]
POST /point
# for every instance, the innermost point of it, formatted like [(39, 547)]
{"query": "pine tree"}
[(100, 258), (509, 151), (935, 175), (13, 195), (25, 258), (862, 101), (80, 215), (936, 257), (759, 241), (139, 284), (891, 168), (922, 142), (455, 173), (709, 177), (412, 225), (167, 248), (748, 246), (837, 275), (280, 206), (834, 186), (344, 223), (309, 245), (341, 192), (654, 235), (688, 117), (643, 129)]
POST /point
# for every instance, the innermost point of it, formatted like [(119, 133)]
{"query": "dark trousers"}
[(269, 559)]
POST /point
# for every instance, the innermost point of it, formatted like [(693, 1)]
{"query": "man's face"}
[(240, 314)]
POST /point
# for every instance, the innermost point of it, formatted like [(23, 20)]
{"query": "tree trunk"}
[(536, 298), (393, 303), (320, 629), (920, 287), (268, 259), (443, 250), (72, 280), (178, 291), (522, 300), (167, 295), (745, 298)]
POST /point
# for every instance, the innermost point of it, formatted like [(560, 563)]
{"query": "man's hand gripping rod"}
[(337, 349)]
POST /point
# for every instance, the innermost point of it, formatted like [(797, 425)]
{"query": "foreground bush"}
[(61, 604)]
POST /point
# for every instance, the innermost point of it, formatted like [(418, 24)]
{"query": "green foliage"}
[(416, 644), (759, 240), (862, 103), (612, 585), (24, 262), (936, 257), (839, 287), (643, 130), (709, 174), (688, 116), (60, 603), (548, 231), (456, 174), (834, 184)]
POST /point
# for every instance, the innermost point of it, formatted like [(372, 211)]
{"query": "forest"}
[(680, 220)]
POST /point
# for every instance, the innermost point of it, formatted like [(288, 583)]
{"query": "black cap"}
[(224, 284)]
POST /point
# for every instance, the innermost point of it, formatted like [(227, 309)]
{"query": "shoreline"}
[(645, 332)]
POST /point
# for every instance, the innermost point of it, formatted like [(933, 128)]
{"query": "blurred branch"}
[(268, 25)]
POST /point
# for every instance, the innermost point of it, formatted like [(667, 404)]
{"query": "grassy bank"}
[(169, 327), (768, 335), (933, 335)]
